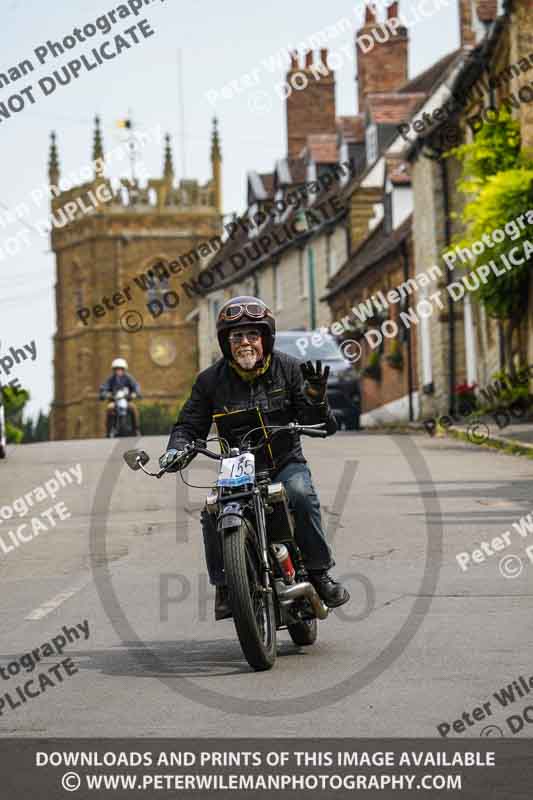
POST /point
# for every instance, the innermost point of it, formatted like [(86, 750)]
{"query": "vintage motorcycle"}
[(122, 419), (268, 585)]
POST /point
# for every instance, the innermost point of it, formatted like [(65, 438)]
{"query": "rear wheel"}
[(252, 607), (304, 633)]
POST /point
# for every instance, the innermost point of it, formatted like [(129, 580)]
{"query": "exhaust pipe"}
[(288, 594)]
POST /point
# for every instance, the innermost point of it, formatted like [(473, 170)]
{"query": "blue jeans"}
[(309, 533)]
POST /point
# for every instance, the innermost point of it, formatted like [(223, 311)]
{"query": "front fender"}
[(231, 516)]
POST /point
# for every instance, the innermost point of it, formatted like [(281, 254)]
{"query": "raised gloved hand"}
[(169, 457), (315, 381)]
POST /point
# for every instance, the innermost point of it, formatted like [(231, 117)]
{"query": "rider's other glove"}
[(170, 456), (315, 381)]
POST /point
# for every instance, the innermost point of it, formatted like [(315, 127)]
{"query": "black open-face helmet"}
[(245, 310)]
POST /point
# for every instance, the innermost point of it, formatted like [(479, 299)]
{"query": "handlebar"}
[(197, 447)]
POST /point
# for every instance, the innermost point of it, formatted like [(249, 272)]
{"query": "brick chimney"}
[(310, 94), (466, 23), (382, 52), (487, 10)]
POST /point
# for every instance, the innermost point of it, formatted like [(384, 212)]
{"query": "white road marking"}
[(47, 608)]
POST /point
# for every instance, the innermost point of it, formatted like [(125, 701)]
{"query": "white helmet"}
[(119, 363)]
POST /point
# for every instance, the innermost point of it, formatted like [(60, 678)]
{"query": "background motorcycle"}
[(267, 581), (122, 423)]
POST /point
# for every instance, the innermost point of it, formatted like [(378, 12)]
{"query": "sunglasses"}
[(236, 337), (237, 310)]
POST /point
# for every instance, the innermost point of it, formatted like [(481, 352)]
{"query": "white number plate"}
[(237, 471)]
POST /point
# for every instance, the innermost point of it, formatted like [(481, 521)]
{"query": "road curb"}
[(492, 442)]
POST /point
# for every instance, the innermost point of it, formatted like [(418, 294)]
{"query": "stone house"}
[(462, 344), (381, 248)]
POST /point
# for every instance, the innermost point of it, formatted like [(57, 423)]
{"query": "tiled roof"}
[(427, 80), (271, 228), (391, 108)]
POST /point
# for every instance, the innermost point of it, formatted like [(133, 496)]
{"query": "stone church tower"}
[(101, 310)]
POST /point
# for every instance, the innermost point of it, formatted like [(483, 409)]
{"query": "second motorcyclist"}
[(252, 375), (121, 379)]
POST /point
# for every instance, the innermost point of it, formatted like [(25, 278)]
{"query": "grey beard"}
[(247, 361)]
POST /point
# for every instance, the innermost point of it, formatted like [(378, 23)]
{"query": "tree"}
[(14, 402), (499, 179)]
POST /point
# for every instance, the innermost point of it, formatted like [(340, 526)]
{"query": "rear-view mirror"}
[(134, 458)]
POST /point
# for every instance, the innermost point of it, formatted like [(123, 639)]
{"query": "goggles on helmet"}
[(235, 311)]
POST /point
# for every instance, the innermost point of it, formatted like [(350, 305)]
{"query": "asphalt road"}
[(420, 643)]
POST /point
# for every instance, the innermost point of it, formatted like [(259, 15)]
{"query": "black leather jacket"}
[(278, 393)]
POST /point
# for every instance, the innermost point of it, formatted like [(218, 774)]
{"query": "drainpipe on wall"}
[(405, 259), (312, 293), (451, 319)]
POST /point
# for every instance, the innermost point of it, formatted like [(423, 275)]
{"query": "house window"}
[(371, 144)]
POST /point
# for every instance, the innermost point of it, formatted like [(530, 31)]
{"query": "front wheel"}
[(305, 632), (252, 607)]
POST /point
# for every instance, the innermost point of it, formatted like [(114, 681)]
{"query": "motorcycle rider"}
[(120, 379), (251, 374)]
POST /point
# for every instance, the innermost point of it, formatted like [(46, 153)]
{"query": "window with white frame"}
[(371, 143)]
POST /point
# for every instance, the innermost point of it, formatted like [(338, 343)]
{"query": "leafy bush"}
[(14, 402), (156, 419), (499, 179)]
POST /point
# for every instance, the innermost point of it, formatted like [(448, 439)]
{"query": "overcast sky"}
[(220, 43)]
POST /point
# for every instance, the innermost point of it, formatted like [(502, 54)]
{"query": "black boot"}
[(222, 604), (330, 591)]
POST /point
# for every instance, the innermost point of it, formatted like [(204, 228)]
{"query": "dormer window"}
[(344, 157), (371, 144), (253, 229)]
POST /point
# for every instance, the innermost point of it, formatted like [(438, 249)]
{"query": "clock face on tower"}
[(162, 351)]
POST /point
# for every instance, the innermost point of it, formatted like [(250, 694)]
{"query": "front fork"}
[(259, 510)]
